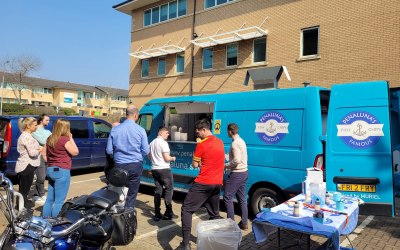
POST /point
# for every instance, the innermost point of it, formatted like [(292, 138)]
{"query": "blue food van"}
[(362, 134), (280, 126), (355, 125)]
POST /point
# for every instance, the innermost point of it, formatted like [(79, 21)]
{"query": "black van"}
[(90, 135)]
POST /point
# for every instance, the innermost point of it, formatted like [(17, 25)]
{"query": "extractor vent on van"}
[(267, 77)]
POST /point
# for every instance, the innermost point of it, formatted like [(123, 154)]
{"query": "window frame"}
[(158, 66), (253, 57), (177, 15), (148, 68), (237, 55), (176, 63), (216, 4), (302, 42), (148, 127), (212, 58)]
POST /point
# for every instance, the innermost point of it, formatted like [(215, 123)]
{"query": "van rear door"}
[(358, 151), (80, 132)]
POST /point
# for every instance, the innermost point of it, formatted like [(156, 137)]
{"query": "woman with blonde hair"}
[(29, 152), (60, 147)]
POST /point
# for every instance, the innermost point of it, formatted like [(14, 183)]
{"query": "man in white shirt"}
[(160, 169), (235, 185)]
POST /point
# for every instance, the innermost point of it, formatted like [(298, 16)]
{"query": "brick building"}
[(322, 42)]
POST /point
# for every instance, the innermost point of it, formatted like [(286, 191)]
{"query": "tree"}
[(20, 67)]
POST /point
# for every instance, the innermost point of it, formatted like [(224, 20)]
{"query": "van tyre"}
[(263, 198)]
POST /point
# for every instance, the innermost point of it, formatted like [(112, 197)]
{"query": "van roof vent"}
[(267, 77)]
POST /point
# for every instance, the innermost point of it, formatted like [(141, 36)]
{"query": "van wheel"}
[(263, 198)]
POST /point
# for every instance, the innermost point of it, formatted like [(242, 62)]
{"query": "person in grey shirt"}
[(235, 185), (41, 135)]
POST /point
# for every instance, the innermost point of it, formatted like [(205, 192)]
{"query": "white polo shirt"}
[(157, 147)]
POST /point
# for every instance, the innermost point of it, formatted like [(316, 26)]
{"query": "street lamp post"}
[(2, 86)]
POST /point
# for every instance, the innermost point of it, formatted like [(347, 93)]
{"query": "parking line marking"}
[(357, 231), (96, 179), (167, 227)]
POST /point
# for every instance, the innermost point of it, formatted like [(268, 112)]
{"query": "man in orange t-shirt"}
[(209, 155)]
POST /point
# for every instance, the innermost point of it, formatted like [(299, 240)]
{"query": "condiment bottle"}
[(317, 206), (296, 210), (327, 198)]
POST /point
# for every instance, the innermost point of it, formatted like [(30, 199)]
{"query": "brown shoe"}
[(243, 227)]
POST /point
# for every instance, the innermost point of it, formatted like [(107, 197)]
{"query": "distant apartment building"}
[(185, 47), (91, 100)]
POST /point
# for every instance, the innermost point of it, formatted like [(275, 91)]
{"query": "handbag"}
[(124, 224)]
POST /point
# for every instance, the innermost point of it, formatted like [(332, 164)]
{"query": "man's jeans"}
[(40, 178), (235, 185), (59, 180), (134, 170), (163, 179)]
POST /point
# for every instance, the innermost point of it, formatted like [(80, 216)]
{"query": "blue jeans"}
[(134, 170), (59, 180)]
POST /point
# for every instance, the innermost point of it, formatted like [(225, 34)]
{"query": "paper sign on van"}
[(360, 129)]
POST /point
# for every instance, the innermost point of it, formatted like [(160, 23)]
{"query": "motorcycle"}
[(87, 222)]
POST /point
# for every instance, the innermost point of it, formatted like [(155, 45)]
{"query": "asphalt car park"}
[(372, 232)]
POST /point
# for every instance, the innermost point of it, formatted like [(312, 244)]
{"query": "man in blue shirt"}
[(128, 145)]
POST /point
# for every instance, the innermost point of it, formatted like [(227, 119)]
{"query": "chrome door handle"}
[(86, 142), (96, 143)]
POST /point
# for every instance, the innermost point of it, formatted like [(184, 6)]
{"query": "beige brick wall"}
[(359, 41)]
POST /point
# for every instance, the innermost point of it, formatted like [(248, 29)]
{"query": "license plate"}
[(356, 188)]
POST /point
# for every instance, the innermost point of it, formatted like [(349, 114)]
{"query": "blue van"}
[(281, 127), (90, 135)]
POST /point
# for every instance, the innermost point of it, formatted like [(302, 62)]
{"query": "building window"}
[(310, 41), (231, 54), (88, 95), (155, 15), (145, 68), (161, 66), (207, 58), (259, 50), (180, 63), (147, 17), (164, 12), (181, 7), (48, 91), (172, 10), (212, 3), (99, 96)]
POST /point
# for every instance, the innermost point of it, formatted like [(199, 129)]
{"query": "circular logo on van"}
[(360, 130), (272, 127)]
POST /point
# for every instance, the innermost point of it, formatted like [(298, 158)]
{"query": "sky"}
[(80, 41)]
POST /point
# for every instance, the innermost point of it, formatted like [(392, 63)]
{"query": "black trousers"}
[(163, 179), (25, 183), (199, 195)]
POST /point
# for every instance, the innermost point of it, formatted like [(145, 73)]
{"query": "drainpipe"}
[(194, 36)]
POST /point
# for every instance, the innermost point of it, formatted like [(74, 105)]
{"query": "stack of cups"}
[(337, 197)]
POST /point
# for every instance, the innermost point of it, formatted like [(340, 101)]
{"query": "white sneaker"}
[(40, 200)]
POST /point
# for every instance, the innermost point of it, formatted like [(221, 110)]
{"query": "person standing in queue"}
[(29, 157), (60, 147), (41, 135), (209, 155), (161, 171), (235, 185), (128, 145)]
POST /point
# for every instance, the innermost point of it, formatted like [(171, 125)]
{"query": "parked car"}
[(90, 135)]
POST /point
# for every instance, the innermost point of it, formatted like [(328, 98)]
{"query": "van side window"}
[(145, 121), (101, 130), (79, 129)]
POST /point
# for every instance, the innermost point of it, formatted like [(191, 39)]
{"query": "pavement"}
[(372, 232)]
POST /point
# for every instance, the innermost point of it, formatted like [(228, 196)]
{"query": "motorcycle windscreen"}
[(358, 149)]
